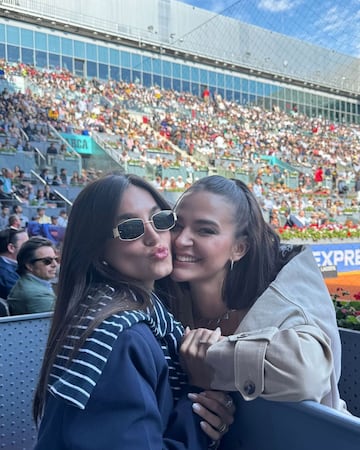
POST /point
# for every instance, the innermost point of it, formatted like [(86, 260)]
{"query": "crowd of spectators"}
[(163, 128), (167, 129)]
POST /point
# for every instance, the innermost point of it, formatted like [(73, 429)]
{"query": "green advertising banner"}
[(81, 144)]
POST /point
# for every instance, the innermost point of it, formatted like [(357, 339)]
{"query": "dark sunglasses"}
[(47, 261), (132, 229)]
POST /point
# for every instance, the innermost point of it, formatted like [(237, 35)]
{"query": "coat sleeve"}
[(282, 365), (131, 406)]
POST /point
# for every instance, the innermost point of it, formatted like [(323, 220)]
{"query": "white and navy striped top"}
[(75, 382)]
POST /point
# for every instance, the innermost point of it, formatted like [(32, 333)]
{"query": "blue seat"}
[(22, 343), (349, 385), (265, 425), (259, 425), (4, 308)]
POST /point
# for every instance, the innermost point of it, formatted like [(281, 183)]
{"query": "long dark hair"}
[(253, 273), (90, 225)]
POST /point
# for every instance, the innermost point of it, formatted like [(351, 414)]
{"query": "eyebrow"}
[(206, 222), (126, 216)]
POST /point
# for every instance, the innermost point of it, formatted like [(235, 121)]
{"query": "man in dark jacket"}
[(10, 242)]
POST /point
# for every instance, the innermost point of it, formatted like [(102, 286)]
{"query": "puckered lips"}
[(160, 253)]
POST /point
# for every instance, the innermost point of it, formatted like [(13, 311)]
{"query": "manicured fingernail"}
[(192, 396), (196, 407)]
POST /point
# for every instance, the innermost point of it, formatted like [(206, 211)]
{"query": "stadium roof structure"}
[(175, 29)]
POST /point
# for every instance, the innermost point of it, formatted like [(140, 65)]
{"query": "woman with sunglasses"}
[(111, 377), (279, 337), (37, 266)]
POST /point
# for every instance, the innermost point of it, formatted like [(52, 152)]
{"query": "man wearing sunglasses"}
[(37, 266)]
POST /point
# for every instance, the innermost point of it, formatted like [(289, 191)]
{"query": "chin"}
[(178, 276), (164, 272)]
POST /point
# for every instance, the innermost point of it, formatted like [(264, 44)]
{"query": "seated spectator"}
[(6, 177), (63, 149), (43, 218), (4, 216), (301, 217), (291, 220), (27, 147), (45, 175), (5, 197), (7, 145), (49, 196), (40, 198), (258, 188), (52, 150), (180, 182), (56, 181), (54, 220), (63, 176), (11, 241), (14, 222), (37, 266), (62, 219), (24, 220), (342, 187)]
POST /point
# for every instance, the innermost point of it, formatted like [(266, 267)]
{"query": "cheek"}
[(118, 253), (113, 250)]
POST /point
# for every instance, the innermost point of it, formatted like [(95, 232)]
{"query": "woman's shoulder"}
[(110, 345)]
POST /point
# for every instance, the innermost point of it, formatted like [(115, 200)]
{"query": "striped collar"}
[(75, 382)]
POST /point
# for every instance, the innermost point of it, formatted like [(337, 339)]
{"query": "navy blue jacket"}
[(130, 408), (8, 277)]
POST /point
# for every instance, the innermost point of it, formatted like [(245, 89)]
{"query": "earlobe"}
[(11, 248), (240, 250)]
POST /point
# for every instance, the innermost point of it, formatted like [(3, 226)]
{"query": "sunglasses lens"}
[(131, 229), (48, 261), (164, 220)]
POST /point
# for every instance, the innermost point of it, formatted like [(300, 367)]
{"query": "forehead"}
[(44, 251), (205, 205), (136, 201)]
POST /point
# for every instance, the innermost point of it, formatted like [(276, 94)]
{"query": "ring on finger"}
[(222, 427), (229, 403)]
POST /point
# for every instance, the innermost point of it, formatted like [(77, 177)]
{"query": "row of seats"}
[(260, 424)]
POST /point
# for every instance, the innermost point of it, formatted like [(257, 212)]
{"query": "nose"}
[(151, 236), (182, 238)]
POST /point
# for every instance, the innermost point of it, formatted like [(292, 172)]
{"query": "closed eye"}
[(206, 231)]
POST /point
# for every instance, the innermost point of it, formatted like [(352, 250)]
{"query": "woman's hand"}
[(193, 352), (217, 409)]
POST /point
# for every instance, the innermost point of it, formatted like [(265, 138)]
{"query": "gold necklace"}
[(218, 320)]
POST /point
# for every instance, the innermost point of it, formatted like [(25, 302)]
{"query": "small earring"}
[(231, 264)]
